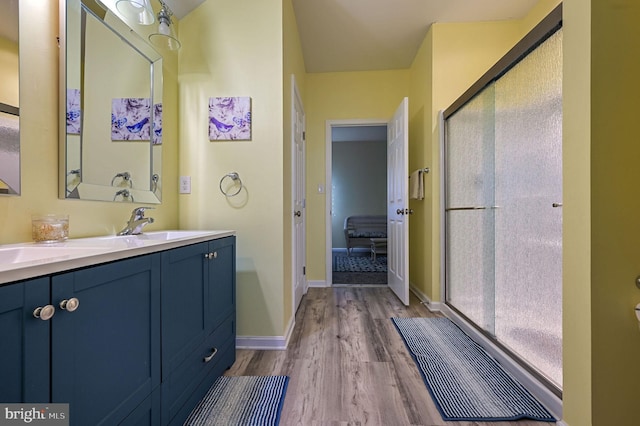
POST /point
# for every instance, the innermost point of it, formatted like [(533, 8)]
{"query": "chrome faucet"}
[(136, 222)]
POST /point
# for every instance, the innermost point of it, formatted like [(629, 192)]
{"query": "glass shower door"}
[(469, 213), (528, 234)]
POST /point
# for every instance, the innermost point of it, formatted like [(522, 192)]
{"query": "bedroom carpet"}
[(359, 269)]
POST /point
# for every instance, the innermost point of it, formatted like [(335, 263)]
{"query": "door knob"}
[(44, 312), (70, 305), (400, 211), (556, 205), (298, 213)]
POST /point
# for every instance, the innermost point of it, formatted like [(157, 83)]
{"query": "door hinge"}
[(304, 136), (304, 270)]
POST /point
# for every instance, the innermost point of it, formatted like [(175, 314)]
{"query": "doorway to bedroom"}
[(358, 209)]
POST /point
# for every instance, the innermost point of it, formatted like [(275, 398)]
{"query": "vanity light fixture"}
[(138, 11), (165, 37)]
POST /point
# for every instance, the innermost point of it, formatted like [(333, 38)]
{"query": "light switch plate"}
[(185, 185)]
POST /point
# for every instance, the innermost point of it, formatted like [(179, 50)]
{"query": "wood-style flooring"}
[(349, 366)]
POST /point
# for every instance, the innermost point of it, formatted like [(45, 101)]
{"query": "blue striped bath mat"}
[(240, 401), (465, 382)]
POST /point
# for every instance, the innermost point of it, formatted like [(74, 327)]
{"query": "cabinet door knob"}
[(210, 357), (70, 305), (44, 312)]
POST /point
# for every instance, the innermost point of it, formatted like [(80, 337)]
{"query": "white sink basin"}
[(132, 241), (23, 254), (171, 235)]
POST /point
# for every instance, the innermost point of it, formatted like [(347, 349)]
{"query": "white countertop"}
[(29, 260)]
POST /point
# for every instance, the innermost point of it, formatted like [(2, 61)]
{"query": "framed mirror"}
[(111, 104), (9, 99)]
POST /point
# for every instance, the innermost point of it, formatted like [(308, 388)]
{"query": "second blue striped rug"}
[(465, 382), (241, 401)]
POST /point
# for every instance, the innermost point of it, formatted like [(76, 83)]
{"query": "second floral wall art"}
[(230, 118), (130, 119)]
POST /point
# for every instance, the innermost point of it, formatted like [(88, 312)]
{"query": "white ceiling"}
[(181, 8), (358, 35)]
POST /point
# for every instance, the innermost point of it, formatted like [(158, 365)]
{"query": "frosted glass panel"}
[(528, 229), (469, 217)]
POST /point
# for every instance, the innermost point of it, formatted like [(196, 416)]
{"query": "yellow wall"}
[(420, 155), (9, 69), (39, 143), (234, 48), (340, 96), (615, 203), (293, 64), (576, 213)]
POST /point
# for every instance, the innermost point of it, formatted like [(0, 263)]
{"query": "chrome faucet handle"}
[(139, 211)]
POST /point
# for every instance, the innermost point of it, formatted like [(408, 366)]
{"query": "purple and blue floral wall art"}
[(74, 113), (131, 119), (157, 124), (230, 118)]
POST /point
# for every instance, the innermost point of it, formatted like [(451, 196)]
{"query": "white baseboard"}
[(289, 331), (261, 343), (424, 299), (267, 343), (317, 283)]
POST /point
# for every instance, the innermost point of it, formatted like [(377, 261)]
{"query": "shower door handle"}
[(465, 208)]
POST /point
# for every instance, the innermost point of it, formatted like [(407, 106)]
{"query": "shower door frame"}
[(546, 391)]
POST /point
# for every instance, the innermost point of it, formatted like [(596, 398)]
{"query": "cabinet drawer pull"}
[(70, 305), (44, 312), (210, 357)]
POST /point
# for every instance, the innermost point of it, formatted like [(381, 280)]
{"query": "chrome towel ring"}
[(235, 177), (125, 195), (125, 176)]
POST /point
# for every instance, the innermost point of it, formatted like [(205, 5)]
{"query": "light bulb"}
[(163, 28)]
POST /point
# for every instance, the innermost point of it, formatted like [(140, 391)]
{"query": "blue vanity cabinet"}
[(24, 357), (105, 355), (198, 322)]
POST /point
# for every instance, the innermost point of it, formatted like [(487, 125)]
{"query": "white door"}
[(398, 202), (298, 192)]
